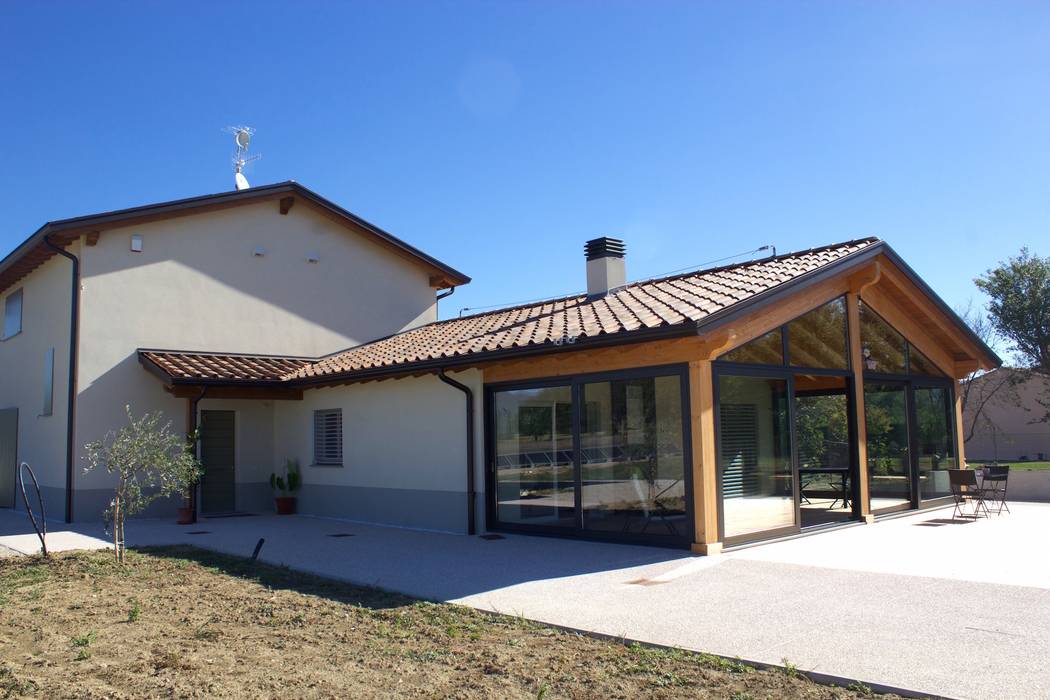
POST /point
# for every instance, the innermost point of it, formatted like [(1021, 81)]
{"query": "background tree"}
[(1020, 312), (150, 461), (1019, 306), (982, 390)]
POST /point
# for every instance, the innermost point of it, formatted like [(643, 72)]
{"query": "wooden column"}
[(705, 478), (857, 367)]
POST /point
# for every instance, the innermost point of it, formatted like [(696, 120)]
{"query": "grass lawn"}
[(1022, 466), (183, 622)]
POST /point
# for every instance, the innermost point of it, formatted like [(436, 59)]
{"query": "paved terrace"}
[(959, 610)]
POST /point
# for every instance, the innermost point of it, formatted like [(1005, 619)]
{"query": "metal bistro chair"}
[(994, 486), (965, 489)]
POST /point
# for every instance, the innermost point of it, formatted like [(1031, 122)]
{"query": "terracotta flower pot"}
[(285, 505), (185, 515)]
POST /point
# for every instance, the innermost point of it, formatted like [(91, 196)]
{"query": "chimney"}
[(606, 270)]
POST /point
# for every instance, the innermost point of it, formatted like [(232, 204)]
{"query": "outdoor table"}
[(814, 472)]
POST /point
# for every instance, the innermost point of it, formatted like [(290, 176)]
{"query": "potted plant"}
[(284, 486)]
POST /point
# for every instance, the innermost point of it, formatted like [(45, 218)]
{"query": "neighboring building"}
[(1006, 413), (718, 406)]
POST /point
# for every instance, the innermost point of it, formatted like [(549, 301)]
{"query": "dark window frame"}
[(576, 382)]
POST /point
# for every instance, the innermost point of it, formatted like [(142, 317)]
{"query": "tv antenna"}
[(242, 136)]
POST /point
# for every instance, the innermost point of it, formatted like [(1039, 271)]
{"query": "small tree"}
[(150, 461), (1019, 306), (980, 390)]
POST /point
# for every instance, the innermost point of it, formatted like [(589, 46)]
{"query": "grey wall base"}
[(254, 498), (430, 510)]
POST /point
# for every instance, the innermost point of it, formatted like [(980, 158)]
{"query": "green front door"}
[(217, 458)]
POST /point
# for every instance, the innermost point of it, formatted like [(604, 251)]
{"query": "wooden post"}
[(705, 477), (857, 368)]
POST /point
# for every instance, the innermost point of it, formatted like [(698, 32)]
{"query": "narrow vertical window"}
[(328, 437), (49, 382), (13, 314)]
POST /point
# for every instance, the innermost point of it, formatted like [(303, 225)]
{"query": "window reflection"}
[(764, 350), (818, 339), (535, 483), (632, 457), (883, 348), (755, 455)]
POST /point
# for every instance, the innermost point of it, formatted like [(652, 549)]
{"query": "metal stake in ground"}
[(41, 527)]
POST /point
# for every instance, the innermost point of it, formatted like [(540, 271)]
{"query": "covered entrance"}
[(218, 455)]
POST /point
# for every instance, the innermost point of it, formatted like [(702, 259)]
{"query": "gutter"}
[(194, 403), (74, 343), (471, 495)]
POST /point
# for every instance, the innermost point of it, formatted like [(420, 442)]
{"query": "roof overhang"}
[(33, 252)]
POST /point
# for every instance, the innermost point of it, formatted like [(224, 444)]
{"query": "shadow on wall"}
[(100, 409)]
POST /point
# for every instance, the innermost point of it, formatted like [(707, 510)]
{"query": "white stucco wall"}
[(197, 286), (45, 324), (404, 451)]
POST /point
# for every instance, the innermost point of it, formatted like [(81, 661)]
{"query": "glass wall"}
[(535, 481), (934, 440), (825, 457), (604, 455), (755, 465), (632, 456), (889, 452)]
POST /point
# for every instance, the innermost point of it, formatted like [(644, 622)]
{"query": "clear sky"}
[(499, 136)]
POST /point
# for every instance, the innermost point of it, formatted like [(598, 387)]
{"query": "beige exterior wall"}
[(197, 286), (1011, 424), (45, 324), (404, 451)]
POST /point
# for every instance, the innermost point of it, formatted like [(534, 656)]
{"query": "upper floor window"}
[(13, 314), (328, 437)]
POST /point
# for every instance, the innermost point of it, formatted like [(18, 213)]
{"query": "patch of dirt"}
[(182, 622)]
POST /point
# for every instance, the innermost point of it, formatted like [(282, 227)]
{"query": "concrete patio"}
[(918, 602)]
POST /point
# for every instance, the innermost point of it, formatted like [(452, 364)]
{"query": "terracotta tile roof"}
[(650, 304), (664, 303), (183, 366)]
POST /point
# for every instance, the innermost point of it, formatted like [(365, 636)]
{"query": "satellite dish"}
[(243, 137), (241, 180)]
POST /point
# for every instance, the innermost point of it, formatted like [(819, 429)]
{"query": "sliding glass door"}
[(632, 457), (889, 445), (755, 455), (911, 442), (599, 455), (535, 482)]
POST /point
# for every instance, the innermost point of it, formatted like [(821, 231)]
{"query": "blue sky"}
[(499, 136)]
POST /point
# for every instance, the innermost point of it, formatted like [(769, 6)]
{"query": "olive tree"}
[(150, 461)]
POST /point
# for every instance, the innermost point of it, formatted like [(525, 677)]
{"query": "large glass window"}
[(889, 452), (535, 483), (632, 456), (755, 455), (934, 440), (887, 352), (605, 456), (825, 466)]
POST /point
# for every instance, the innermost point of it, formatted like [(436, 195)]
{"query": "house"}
[(1005, 416), (712, 408)]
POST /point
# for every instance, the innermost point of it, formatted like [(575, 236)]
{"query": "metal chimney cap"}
[(604, 247)]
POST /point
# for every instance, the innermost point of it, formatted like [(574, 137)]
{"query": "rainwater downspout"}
[(194, 403), (471, 496), (74, 331)]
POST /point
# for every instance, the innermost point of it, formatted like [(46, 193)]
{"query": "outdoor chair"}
[(965, 489), (994, 486)]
